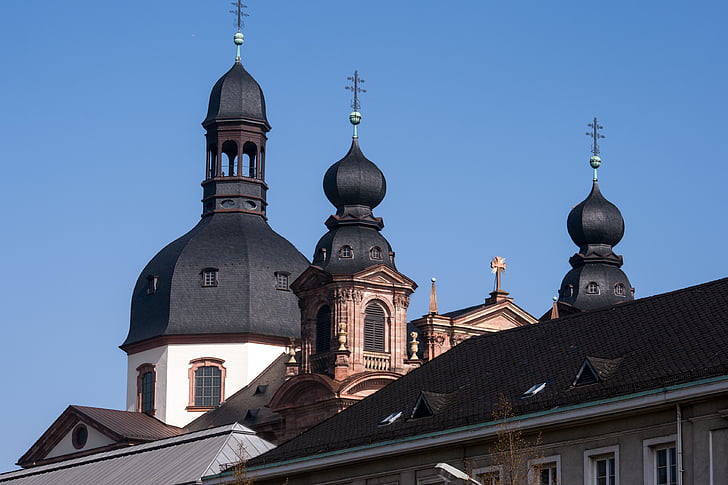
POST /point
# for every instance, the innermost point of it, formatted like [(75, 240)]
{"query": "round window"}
[(80, 436)]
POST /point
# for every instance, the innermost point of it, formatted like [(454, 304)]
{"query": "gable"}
[(74, 440)]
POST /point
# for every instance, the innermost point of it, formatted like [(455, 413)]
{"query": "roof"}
[(236, 95), (247, 253), (180, 460), (119, 429), (249, 404), (668, 339)]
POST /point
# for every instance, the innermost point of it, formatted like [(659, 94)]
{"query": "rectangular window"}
[(281, 281), (660, 461), (209, 277), (490, 475), (207, 386), (601, 466), (148, 392), (545, 471)]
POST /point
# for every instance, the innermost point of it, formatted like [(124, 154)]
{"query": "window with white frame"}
[(660, 460), (601, 466), (545, 471), (489, 475)]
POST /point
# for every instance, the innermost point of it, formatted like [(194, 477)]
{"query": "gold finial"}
[(414, 346), (433, 298), (498, 266)]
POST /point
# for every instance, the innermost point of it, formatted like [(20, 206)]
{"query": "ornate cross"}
[(498, 266), (595, 135), (239, 13), (355, 81)]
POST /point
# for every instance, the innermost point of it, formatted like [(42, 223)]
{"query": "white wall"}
[(95, 439), (243, 362)]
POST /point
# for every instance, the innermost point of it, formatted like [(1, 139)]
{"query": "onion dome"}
[(236, 95), (354, 180), (354, 185), (595, 225), (595, 221)]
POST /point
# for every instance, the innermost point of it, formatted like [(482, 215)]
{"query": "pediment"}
[(383, 274), (312, 277), (496, 317)]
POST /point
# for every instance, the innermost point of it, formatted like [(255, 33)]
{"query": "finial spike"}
[(595, 161), (433, 298), (355, 116), (239, 23)]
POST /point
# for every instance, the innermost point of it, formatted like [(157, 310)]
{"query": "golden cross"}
[(498, 266)]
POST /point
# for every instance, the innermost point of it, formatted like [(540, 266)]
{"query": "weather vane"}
[(239, 14), (595, 161), (355, 88), (355, 116)]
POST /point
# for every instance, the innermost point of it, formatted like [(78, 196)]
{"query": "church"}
[(239, 346)]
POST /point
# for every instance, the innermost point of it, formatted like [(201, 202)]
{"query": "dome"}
[(592, 286), (595, 221), (236, 95), (348, 249), (354, 180), (246, 256)]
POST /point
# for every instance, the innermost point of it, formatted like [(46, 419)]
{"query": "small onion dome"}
[(595, 221), (354, 180), (236, 95)]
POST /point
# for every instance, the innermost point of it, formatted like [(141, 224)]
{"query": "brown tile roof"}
[(662, 340), (130, 425)]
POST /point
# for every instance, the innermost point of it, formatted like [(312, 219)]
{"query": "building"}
[(632, 393)]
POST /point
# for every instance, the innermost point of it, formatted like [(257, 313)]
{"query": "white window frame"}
[(649, 455), (590, 461), (488, 469), (537, 463)]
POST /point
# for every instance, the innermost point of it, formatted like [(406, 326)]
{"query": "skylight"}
[(535, 389), (390, 419)]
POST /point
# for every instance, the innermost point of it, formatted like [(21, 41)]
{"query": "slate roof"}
[(248, 406), (247, 253), (236, 95), (180, 460), (662, 340)]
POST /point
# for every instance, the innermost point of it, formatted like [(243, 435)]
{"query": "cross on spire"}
[(498, 266), (239, 13), (595, 135), (355, 81)]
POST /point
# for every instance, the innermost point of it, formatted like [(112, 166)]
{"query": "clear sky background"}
[(476, 112)]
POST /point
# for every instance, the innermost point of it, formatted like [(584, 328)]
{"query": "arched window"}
[(211, 161), (250, 154), (619, 290), (323, 329), (230, 150), (146, 385), (207, 383), (374, 328), (592, 288), (375, 253), (346, 252)]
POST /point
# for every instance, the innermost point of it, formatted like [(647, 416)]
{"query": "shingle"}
[(667, 339)]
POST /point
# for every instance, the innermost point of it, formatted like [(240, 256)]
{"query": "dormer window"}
[(592, 288), (209, 277), (619, 290), (375, 253), (281, 280), (569, 291), (152, 281), (346, 252)]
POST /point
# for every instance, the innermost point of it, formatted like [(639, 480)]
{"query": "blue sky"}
[(475, 112)]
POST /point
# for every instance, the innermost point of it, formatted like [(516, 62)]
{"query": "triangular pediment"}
[(81, 430), (312, 277), (495, 317), (383, 274)]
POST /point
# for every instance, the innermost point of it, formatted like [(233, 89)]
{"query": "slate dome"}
[(247, 254), (354, 180), (236, 95), (595, 221)]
